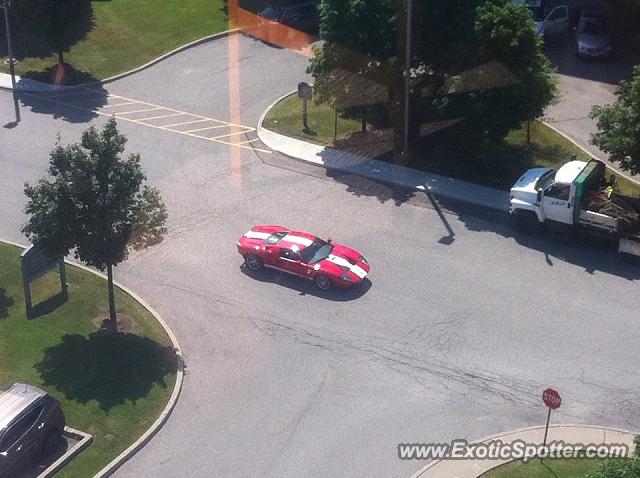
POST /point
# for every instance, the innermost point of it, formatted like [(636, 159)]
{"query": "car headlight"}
[(362, 259)]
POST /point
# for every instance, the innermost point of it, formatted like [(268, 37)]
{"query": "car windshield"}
[(546, 179), (317, 251), (592, 27)]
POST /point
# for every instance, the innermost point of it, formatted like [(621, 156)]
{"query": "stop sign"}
[(551, 398)]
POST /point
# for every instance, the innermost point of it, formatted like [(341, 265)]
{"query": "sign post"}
[(305, 92), (552, 400), (35, 262)]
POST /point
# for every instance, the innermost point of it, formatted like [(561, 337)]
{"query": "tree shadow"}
[(106, 367), (32, 32), (5, 303), (363, 186), (48, 305), (306, 287), (77, 105)]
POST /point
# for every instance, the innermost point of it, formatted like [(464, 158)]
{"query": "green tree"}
[(52, 25), (95, 204), (619, 467), (449, 38), (619, 125)]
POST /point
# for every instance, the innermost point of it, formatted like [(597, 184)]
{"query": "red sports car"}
[(326, 263)]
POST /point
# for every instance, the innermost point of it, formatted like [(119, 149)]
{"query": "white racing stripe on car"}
[(303, 241), (359, 271), (257, 235), (341, 261)]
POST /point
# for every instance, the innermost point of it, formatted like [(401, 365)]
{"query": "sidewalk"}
[(570, 434), (27, 85), (382, 171)]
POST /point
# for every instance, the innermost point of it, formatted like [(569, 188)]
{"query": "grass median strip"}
[(127, 34), (113, 386), (549, 468)]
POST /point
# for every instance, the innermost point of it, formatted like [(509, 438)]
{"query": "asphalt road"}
[(463, 323)]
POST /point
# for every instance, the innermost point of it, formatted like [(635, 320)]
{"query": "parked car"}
[(304, 17), (593, 35), (548, 22), (326, 263), (31, 425)]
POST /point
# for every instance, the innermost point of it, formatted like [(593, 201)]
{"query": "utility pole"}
[(407, 71), (11, 60)]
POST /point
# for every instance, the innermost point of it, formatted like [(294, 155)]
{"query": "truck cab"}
[(546, 193)]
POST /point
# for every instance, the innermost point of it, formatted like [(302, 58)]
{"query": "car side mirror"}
[(329, 240)]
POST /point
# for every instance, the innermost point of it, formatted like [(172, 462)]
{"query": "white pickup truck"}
[(569, 196)]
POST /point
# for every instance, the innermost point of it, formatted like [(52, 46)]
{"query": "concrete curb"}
[(84, 439), (575, 143), (138, 69), (428, 472), (410, 178), (177, 388)]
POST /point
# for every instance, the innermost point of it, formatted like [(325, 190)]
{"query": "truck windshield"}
[(545, 180)]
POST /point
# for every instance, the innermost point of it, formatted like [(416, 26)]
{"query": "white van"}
[(548, 21)]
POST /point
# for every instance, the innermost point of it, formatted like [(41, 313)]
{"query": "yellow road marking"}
[(232, 134), (137, 111), (119, 104), (156, 107), (245, 142), (203, 129), (186, 122), (162, 116), (180, 111)]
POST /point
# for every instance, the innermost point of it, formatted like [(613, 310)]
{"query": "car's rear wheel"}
[(323, 282), (253, 262)]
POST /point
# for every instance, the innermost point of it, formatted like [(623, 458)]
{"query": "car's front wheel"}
[(253, 262), (51, 443), (323, 282)]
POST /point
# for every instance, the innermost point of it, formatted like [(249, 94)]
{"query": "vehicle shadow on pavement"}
[(74, 106), (110, 368), (306, 287), (555, 244)]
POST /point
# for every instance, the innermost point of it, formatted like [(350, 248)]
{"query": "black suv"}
[(31, 425)]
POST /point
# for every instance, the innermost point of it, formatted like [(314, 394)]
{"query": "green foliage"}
[(52, 25), (619, 125), (93, 202), (449, 39), (619, 468)]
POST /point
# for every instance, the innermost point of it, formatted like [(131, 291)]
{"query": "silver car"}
[(593, 36)]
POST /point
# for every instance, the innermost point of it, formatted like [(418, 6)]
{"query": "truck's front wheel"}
[(527, 221)]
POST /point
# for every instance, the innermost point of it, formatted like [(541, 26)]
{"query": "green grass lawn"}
[(499, 167), (128, 33), (113, 386), (286, 118), (550, 468)]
